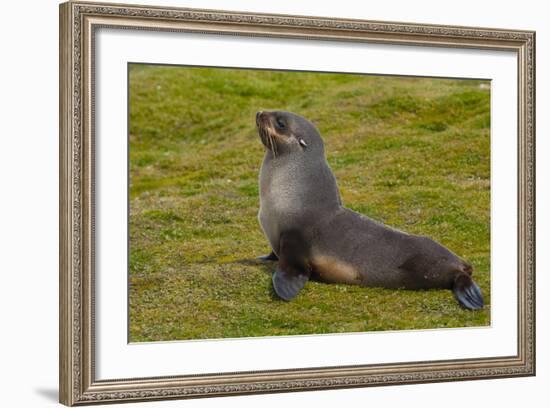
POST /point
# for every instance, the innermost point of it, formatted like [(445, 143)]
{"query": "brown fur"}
[(331, 270)]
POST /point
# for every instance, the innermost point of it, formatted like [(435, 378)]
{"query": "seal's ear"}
[(292, 271), (302, 142)]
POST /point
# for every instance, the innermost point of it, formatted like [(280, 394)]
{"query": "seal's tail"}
[(467, 292)]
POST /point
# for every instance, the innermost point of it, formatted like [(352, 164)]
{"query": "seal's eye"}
[(280, 123)]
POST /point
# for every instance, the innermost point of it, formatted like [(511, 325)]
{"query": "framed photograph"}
[(255, 203)]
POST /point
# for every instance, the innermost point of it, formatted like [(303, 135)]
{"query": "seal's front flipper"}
[(467, 292), (292, 271), (270, 257), (288, 285)]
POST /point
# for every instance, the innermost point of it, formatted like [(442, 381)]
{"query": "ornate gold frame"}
[(78, 22)]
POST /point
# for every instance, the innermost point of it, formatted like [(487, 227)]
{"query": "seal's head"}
[(287, 133)]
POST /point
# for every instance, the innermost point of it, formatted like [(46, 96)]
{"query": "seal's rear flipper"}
[(270, 257), (467, 293), (288, 285), (292, 271)]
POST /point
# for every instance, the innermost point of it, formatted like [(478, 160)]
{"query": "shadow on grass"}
[(266, 267)]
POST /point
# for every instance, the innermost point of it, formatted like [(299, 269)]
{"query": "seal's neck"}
[(306, 183)]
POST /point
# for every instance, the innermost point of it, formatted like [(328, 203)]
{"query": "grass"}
[(411, 152)]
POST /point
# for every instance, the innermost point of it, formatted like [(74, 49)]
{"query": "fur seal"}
[(313, 236)]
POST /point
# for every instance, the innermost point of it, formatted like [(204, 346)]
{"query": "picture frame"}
[(79, 24)]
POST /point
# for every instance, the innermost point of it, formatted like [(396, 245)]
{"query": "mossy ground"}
[(411, 152)]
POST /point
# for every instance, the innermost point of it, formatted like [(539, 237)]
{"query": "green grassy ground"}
[(412, 153)]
